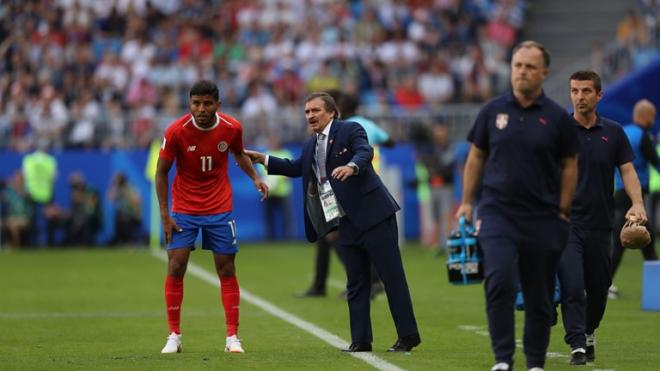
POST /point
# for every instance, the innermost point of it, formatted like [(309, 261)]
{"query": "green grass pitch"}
[(97, 309)]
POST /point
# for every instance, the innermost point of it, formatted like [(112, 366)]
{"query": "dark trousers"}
[(585, 265), (358, 250), (322, 263), (653, 210), (621, 205), (525, 251)]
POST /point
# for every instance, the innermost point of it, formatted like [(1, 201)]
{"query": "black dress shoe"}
[(358, 347), (311, 293), (405, 344), (578, 358), (591, 348), (591, 353)]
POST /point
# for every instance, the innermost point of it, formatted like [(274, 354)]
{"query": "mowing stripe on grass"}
[(271, 309), (46, 315), (481, 330), (39, 315), (334, 283)]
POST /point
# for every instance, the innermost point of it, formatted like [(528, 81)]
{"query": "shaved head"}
[(644, 113)]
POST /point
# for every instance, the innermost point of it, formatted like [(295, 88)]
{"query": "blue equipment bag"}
[(556, 298), (464, 263)]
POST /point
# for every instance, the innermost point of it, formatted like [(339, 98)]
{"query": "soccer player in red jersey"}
[(199, 143)]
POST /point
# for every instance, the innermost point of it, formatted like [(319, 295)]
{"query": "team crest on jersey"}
[(222, 146), (501, 121)]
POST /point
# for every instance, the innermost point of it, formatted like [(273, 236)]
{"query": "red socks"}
[(173, 299), (231, 297), (229, 291)]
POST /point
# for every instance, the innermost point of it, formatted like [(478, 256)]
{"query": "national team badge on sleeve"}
[(501, 121), (222, 146)]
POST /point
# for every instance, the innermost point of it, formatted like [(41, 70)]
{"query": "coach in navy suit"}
[(344, 192)]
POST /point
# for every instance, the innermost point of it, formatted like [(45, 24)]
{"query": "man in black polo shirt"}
[(525, 145), (585, 264)]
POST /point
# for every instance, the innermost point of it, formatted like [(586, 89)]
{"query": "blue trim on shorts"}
[(218, 232)]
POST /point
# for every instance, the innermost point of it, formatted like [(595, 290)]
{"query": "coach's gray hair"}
[(328, 101)]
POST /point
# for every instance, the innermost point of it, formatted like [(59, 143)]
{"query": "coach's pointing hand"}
[(262, 187)]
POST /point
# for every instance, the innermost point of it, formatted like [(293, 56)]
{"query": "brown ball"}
[(634, 235)]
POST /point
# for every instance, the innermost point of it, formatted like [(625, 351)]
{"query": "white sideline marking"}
[(481, 330), (271, 309)]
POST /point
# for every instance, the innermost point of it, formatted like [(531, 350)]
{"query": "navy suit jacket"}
[(363, 197)]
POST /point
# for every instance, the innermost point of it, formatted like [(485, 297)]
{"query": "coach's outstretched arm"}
[(474, 167), (256, 157)]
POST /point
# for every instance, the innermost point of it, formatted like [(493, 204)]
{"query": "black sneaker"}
[(591, 348), (578, 357)]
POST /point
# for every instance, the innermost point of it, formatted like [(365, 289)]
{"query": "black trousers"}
[(322, 263), (527, 252), (621, 205), (585, 266), (358, 250)]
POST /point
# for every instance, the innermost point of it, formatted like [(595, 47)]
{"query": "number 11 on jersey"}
[(207, 164)]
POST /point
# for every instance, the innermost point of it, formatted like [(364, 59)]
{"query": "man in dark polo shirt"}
[(585, 264), (525, 145), (644, 149)]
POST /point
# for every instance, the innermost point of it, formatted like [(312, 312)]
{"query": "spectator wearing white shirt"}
[(436, 84)]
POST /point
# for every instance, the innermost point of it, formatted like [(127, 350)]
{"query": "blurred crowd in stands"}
[(637, 42), (114, 73), (30, 217)]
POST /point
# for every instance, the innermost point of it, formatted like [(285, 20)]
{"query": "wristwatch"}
[(353, 166)]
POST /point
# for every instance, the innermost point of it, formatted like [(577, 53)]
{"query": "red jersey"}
[(201, 184)]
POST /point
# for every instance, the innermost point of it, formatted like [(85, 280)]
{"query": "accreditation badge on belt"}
[(501, 120), (328, 202)]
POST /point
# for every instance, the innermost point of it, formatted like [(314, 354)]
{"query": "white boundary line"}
[(271, 309)]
